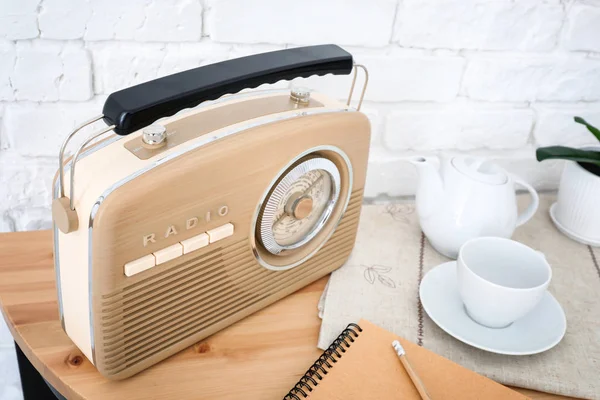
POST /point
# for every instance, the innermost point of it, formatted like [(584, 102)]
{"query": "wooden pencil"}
[(411, 372)]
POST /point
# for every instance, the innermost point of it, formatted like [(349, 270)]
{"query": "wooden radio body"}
[(201, 192)]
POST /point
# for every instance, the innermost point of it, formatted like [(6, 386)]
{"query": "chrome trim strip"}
[(346, 159), (90, 280)]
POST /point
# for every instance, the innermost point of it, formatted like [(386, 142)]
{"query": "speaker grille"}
[(151, 315)]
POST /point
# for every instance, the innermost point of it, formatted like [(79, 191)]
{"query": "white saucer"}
[(538, 331), (569, 233)]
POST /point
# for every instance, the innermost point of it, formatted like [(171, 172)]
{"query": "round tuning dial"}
[(299, 204)]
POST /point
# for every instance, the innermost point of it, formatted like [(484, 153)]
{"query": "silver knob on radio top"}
[(300, 95), (154, 136)]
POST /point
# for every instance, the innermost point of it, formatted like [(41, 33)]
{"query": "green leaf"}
[(595, 131), (568, 153)]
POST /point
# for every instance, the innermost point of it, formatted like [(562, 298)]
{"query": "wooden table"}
[(260, 357)]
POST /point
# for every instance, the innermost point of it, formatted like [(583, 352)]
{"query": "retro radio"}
[(190, 214)]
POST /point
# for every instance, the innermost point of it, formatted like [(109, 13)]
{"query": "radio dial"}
[(299, 204)]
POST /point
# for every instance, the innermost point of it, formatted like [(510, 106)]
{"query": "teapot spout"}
[(430, 186)]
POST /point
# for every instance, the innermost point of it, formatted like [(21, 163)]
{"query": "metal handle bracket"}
[(362, 94), (63, 208)]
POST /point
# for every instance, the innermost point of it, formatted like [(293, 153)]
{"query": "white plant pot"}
[(577, 210)]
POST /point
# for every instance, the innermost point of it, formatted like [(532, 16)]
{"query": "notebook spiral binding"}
[(315, 373)]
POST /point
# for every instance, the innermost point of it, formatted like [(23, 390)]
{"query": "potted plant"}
[(576, 212)]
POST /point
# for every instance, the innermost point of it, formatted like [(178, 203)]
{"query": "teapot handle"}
[(533, 205)]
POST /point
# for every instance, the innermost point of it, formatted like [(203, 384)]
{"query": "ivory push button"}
[(194, 243), (168, 253), (221, 232), (139, 265)]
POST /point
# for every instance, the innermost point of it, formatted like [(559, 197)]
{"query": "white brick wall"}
[(583, 29), (460, 126), (490, 77), (18, 19), (559, 78), (479, 25), (345, 22)]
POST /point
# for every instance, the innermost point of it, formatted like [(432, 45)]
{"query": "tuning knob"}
[(300, 95), (154, 136)]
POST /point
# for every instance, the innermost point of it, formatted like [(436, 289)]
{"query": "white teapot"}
[(467, 197)]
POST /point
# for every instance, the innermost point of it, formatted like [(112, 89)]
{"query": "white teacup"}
[(500, 280)]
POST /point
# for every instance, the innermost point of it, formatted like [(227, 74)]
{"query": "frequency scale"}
[(196, 205), (299, 204)]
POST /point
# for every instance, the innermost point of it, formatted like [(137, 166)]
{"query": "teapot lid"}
[(480, 169)]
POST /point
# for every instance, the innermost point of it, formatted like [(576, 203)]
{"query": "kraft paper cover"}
[(370, 369)]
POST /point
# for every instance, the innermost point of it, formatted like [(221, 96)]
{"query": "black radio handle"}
[(138, 106)]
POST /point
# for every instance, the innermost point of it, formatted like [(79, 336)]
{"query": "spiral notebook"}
[(361, 364)]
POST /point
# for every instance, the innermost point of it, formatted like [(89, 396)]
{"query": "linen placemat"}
[(380, 282)]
